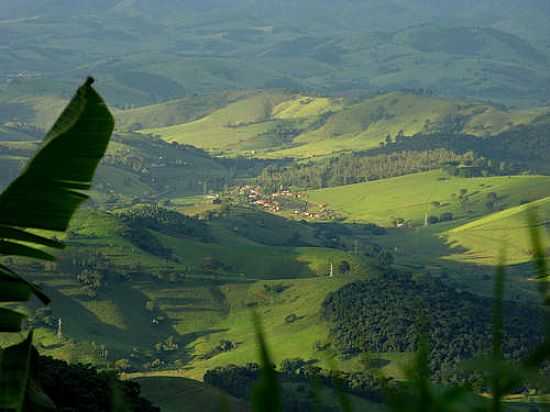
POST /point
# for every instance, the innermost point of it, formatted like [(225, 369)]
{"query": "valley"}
[(272, 205), (269, 202)]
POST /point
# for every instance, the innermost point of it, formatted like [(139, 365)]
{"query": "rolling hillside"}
[(485, 238), (284, 125), (411, 197), (487, 214), (201, 280), (455, 50)]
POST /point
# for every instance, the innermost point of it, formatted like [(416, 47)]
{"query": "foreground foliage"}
[(45, 197)]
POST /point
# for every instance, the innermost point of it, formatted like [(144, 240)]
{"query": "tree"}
[(211, 264), (54, 179), (344, 267), (292, 366), (385, 259), (446, 217)]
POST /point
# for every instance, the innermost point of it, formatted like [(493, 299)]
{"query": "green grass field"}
[(412, 196), (477, 233), (506, 231), (200, 307)]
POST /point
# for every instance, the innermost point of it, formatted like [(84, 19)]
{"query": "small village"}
[(286, 202)]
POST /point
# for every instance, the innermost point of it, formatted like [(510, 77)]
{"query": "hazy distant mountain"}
[(150, 50), (352, 14)]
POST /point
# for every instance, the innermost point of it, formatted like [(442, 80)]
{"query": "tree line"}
[(352, 168)]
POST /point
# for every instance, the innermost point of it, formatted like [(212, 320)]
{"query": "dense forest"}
[(385, 315), (85, 389), (301, 382), (355, 168)]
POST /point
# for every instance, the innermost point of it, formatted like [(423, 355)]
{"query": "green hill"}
[(382, 45), (171, 112), (411, 197), (284, 125), (276, 124), (484, 239), (200, 279), (486, 214)]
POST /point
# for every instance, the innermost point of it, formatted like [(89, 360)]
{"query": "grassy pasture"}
[(323, 126), (412, 196)]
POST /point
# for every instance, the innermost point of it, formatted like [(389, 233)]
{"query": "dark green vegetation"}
[(303, 385), (382, 315), (83, 387), (54, 178)]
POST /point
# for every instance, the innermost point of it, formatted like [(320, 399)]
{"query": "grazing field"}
[(491, 214), (411, 197), (506, 231), (199, 305)]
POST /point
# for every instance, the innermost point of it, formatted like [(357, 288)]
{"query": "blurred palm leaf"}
[(266, 394), (14, 374), (45, 196)]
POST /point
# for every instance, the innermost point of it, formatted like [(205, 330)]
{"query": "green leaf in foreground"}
[(45, 196), (47, 193), (266, 394), (14, 374)]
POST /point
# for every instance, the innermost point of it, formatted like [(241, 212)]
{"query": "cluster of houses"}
[(283, 200), (10, 77), (255, 196)]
